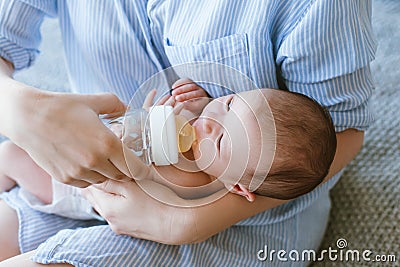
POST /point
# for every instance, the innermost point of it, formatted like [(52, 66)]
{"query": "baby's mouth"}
[(196, 132)]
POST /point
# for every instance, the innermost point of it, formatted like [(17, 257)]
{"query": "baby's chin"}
[(197, 158), (196, 154)]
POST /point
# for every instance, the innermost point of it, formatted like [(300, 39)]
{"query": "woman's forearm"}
[(349, 143), (6, 71), (194, 220), (6, 68), (11, 90), (210, 219), (205, 221)]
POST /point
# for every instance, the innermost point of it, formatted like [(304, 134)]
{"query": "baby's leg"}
[(6, 183), (9, 240), (17, 167)]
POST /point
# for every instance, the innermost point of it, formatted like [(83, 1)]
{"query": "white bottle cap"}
[(163, 140)]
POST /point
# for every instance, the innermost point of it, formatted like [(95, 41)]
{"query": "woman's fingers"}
[(115, 202), (170, 101), (105, 103), (178, 108), (162, 100), (109, 199), (69, 141), (109, 170), (79, 183), (111, 187), (119, 203), (135, 166), (117, 129), (95, 197), (114, 115), (64, 135), (114, 165)]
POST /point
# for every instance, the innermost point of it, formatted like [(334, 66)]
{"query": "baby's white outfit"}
[(67, 202)]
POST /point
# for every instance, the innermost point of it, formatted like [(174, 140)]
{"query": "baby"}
[(237, 142)]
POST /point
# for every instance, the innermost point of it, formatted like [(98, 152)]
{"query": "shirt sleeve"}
[(326, 57), (20, 22)]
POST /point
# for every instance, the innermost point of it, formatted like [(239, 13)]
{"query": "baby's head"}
[(286, 156)]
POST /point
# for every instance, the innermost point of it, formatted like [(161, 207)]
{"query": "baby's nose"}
[(211, 126), (208, 125)]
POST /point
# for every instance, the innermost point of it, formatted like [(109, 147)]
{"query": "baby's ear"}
[(242, 190)]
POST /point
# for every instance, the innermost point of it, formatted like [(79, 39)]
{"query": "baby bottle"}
[(157, 136)]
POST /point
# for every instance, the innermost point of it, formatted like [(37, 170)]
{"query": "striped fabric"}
[(319, 48)]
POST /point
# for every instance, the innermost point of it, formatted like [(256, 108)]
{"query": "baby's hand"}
[(193, 96), (185, 89), (165, 100)]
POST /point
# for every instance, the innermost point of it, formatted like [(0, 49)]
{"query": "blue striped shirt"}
[(319, 48), (316, 47)]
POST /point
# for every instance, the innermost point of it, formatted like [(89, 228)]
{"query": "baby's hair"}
[(305, 145)]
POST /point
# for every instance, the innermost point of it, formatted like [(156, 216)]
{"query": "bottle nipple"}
[(185, 133)]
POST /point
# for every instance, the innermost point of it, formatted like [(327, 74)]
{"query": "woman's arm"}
[(6, 68), (130, 211), (349, 143), (168, 224), (211, 219), (62, 132)]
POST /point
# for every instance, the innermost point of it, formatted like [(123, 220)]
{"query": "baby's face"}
[(228, 137)]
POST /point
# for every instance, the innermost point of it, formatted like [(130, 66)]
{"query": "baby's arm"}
[(187, 185), (175, 176)]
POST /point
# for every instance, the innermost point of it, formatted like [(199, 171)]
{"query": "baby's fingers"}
[(181, 82), (148, 102), (190, 95), (185, 88), (164, 100), (170, 101)]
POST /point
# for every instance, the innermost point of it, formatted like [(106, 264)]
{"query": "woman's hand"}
[(130, 211), (67, 138), (62, 132)]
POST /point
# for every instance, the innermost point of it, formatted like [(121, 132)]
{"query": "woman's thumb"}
[(106, 103)]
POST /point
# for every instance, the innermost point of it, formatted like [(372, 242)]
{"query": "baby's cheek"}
[(196, 151), (204, 153)]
